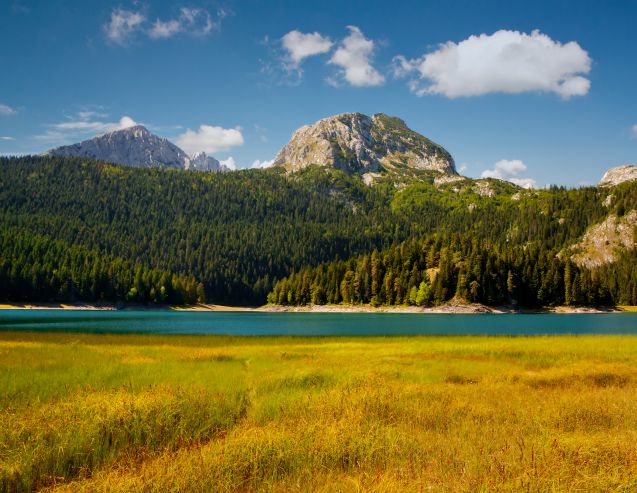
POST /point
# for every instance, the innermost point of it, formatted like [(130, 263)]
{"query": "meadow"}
[(214, 413)]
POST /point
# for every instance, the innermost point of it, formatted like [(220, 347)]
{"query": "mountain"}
[(132, 146), (354, 142), (620, 174), (138, 147), (200, 161)]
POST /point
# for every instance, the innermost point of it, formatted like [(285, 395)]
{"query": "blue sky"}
[(541, 91)]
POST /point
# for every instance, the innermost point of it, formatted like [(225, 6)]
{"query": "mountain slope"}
[(357, 143), (237, 233), (133, 146)]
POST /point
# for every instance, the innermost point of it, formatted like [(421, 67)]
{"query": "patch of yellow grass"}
[(317, 414), (628, 308)]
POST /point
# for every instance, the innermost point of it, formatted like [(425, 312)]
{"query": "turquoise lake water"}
[(314, 324)]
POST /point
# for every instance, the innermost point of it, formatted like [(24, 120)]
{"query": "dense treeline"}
[(441, 267), (38, 269), (233, 235), (234, 232)]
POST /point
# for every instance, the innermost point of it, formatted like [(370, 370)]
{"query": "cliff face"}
[(358, 143), (601, 242), (620, 174)]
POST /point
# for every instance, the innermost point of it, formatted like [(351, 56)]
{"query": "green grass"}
[(208, 413)]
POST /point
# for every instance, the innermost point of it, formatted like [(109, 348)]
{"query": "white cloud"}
[(98, 126), (209, 139), (86, 114), (7, 110), (229, 163), (163, 29), (6, 137), (191, 20), (509, 169), (81, 126), (354, 56), (634, 131), (524, 182), (463, 167), (123, 24), (503, 62), (262, 164), (302, 45)]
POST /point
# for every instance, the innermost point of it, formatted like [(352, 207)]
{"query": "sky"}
[(538, 92)]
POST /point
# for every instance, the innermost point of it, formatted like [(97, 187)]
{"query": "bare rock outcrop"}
[(620, 174), (358, 143)]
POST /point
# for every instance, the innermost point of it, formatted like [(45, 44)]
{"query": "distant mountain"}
[(354, 142), (133, 146), (138, 147), (200, 161)]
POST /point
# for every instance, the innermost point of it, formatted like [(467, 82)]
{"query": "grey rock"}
[(133, 146), (200, 161), (358, 143), (620, 174)]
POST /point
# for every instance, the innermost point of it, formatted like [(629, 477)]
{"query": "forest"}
[(80, 230)]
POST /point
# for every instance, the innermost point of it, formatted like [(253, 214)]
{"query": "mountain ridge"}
[(136, 146)]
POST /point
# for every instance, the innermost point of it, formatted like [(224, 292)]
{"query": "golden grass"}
[(207, 413)]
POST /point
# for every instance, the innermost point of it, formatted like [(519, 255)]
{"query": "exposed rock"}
[(200, 161), (600, 242), (608, 201), (133, 146), (355, 142), (441, 180), (370, 178), (483, 188), (620, 174), (516, 196)]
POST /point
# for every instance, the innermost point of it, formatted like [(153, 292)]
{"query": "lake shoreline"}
[(453, 307)]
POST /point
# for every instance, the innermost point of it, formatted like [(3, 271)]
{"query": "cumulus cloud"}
[(354, 55), (503, 62), (209, 139), (7, 110), (262, 164), (300, 45), (229, 163), (509, 169), (123, 24)]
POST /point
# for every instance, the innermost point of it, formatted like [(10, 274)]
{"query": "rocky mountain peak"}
[(200, 161), (620, 174), (132, 146), (355, 142), (138, 147)]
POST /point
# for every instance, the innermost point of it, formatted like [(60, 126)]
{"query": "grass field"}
[(177, 413)]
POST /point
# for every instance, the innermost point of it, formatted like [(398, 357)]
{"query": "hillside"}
[(228, 237)]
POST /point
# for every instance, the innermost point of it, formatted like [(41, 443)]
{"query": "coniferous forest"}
[(80, 230)]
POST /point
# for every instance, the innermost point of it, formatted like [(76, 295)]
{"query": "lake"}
[(315, 324)]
